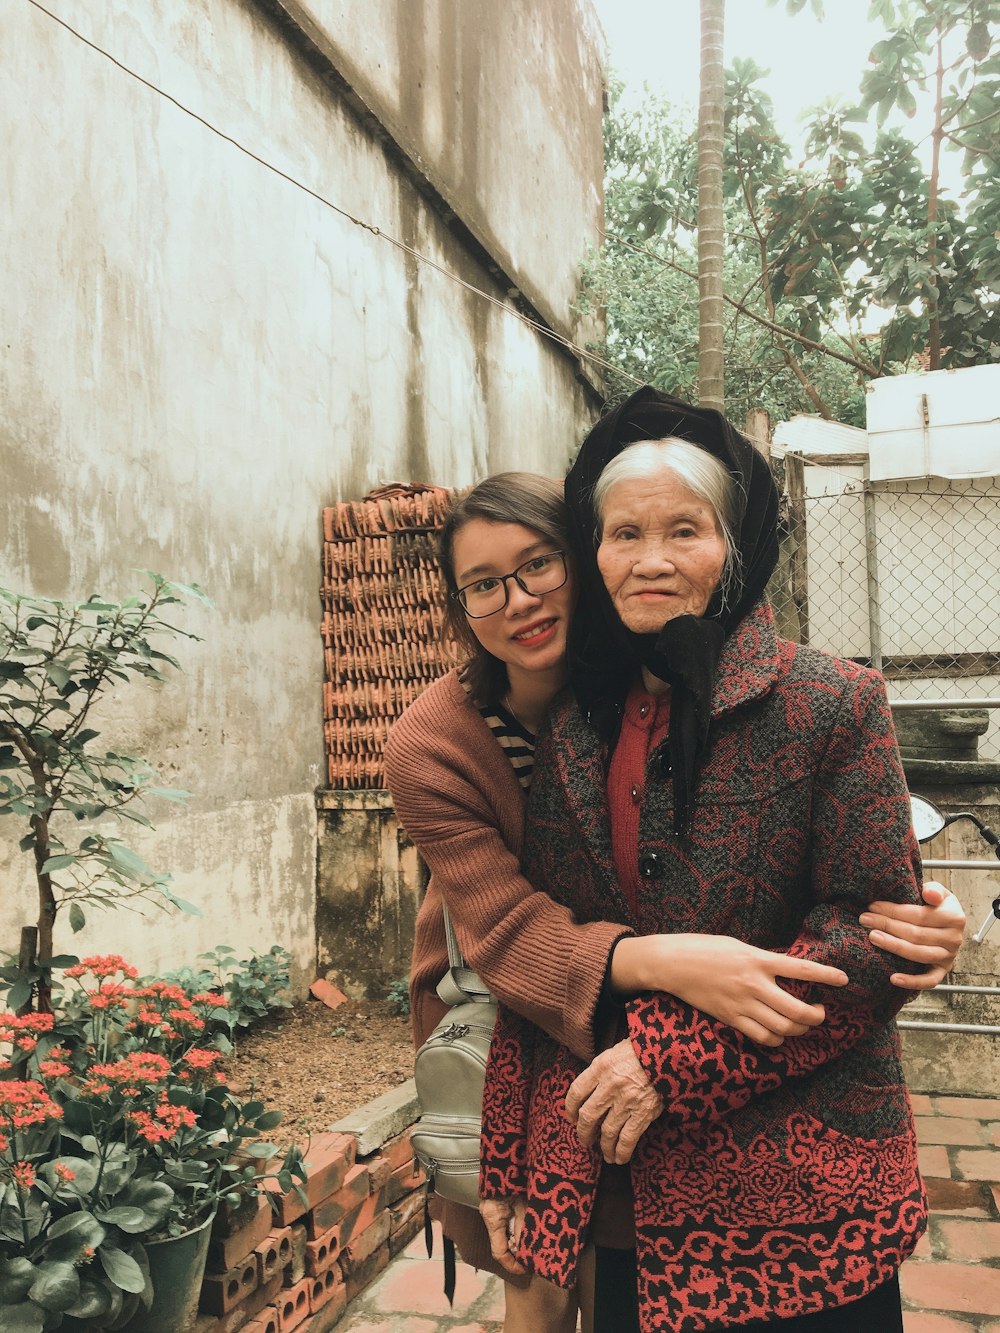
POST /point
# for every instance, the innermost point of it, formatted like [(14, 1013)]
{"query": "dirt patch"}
[(316, 1064)]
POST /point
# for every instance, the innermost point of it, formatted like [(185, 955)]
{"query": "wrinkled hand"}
[(613, 1100), (930, 934), (727, 979), (504, 1219)]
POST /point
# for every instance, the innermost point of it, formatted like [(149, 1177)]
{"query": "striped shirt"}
[(517, 743)]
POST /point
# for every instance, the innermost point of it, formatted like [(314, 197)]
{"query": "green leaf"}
[(77, 920), (94, 1299), (57, 863), (16, 1277), (19, 994), (25, 1318), (57, 1285), (121, 1268), (181, 904), (151, 1198), (129, 1219), (128, 862), (72, 1233), (268, 1121), (58, 675)]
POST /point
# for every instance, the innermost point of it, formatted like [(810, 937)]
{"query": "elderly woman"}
[(707, 776)]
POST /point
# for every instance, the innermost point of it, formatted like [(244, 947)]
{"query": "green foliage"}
[(398, 995), (123, 1131), (816, 251), (58, 662), (249, 989)]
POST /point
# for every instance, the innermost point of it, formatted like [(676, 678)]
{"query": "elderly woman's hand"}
[(613, 1100), (503, 1219), (727, 979), (932, 937)]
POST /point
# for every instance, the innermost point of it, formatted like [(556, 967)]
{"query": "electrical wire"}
[(583, 354)]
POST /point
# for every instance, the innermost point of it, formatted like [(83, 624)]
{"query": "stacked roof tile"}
[(383, 611)]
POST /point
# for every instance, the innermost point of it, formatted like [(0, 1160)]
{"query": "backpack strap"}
[(459, 984)]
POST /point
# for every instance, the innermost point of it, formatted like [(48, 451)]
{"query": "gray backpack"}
[(449, 1070)]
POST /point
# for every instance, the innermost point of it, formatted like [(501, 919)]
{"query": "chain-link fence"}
[(903, 575)]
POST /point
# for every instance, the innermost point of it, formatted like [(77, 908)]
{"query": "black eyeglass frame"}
[(503, 578)]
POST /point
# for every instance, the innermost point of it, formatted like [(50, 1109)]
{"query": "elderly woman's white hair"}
[(701, 472)]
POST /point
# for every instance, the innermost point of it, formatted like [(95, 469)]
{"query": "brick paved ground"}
[(951, 1285)]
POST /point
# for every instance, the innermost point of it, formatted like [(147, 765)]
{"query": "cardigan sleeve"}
[(528, 949), (862, 848)]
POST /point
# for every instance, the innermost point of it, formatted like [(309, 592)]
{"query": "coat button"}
[(650, 866), (635, 794)]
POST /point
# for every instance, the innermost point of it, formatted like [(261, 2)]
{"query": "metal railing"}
[(939, 863)]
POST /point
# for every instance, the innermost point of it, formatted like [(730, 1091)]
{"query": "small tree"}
[(57, 660)]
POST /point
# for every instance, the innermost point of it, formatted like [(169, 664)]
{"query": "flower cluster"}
[(120, 1128)]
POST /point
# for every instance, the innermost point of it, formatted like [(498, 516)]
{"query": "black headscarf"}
[(604, 656)]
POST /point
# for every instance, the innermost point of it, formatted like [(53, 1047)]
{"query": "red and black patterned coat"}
[(778, 1181)]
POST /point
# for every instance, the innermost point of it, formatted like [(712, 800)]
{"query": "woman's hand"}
[(613, 1099), (504, 1219), (734, 982), (930, 934)]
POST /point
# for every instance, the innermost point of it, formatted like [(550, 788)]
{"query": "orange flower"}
[(24, 1103), (102, 965), (23, 1174)]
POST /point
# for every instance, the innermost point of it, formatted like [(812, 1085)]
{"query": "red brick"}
[(328, 1159), (924, 1248), (915, 1321), (273, 1254), (326, 991), (399, 1150), (921, 1103), (233, 1322), (956, 1288), (958, 1196), (369, 1270), (264, 1296), (934, 1161), (411, 1206), (323, 1251), (416, 1285), (981, 1165), (293, 1305), (234, 1235), (403, 1232), (379, 1169), (266, 1322), (329, 1315), (365, 1243), (995, 1191), (974, 1108), (993, 1131), (221, 1291), (949, 1129), (328, 1212), (404, 1180), (325, 1288), (297, 1265), (963, 1240)]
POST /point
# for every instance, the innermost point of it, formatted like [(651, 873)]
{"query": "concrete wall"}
[(197, 356)]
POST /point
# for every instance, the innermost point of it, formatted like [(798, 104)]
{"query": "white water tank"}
[(943, 424)]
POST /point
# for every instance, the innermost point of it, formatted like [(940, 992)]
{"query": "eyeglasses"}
[(541, 574)]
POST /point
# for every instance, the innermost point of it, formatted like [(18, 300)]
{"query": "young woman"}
[(458, 765)]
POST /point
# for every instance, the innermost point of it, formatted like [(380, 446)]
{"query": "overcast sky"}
[(656, 42)]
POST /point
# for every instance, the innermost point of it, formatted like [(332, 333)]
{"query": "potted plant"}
[(121, 1136)]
